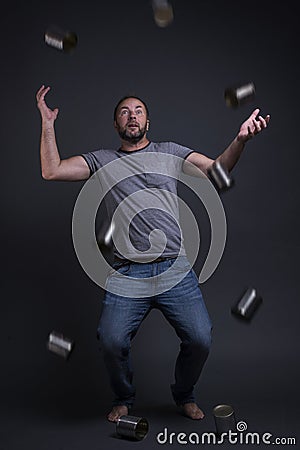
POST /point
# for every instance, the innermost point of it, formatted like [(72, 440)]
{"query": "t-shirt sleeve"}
[(179, 150), (92, 160)]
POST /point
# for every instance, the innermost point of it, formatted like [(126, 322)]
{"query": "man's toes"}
[(192, 411), (198, 414), (117, 412), (112, 416)]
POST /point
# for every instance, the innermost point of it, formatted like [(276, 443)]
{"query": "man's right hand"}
[(48, 115), (53, 167)]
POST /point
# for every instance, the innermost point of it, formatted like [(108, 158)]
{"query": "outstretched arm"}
[(251, 127), (53, 167), (228, 159)]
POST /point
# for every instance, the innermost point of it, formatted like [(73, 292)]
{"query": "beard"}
[(128, 136)]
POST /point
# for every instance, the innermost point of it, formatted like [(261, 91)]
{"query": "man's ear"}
[(147, 125), (115, 125)]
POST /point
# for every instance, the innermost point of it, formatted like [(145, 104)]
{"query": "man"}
[(182, 304)]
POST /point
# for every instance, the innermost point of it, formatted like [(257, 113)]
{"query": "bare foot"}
[(192, 411), (117, 412)]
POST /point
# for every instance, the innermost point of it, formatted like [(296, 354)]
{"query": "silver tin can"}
[(239, 95), (163, 13), (219, 176), (247, 305), (132, 427), (59, 344), (62, 40), (224, 419)]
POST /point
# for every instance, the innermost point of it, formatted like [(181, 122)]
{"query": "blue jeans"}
[(182, 306)]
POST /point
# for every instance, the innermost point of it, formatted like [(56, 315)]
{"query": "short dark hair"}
[(125, 98)]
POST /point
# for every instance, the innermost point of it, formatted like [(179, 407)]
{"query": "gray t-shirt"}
[(155, 207)]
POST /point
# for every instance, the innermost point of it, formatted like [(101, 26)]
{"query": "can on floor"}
[(132, 427), (224, 418)]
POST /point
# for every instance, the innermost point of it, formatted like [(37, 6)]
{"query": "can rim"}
[(217, 413)]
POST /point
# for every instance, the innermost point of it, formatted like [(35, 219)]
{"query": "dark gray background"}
[(181, 72)]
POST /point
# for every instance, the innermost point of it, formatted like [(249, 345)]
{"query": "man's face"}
[(131, 120)]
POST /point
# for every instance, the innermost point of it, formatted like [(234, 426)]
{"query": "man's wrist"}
[(241, 139), (47, 125)]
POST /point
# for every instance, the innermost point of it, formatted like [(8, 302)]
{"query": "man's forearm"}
[(231, 155), (50, 158)]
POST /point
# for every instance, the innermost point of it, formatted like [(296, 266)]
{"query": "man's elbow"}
[(49, 176)]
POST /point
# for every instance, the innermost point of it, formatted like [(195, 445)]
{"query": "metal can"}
[(59, 344), (239, 95), (247, 305), (163, 12), (60, 39), (219, 176), (132, 427), (224, 418)]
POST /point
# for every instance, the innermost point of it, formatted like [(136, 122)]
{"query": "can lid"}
[(223, 411)]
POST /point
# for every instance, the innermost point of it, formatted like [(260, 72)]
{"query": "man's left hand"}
[(252, 126)]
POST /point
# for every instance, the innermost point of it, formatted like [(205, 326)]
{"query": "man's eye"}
[(124, 112), (139, 112)]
